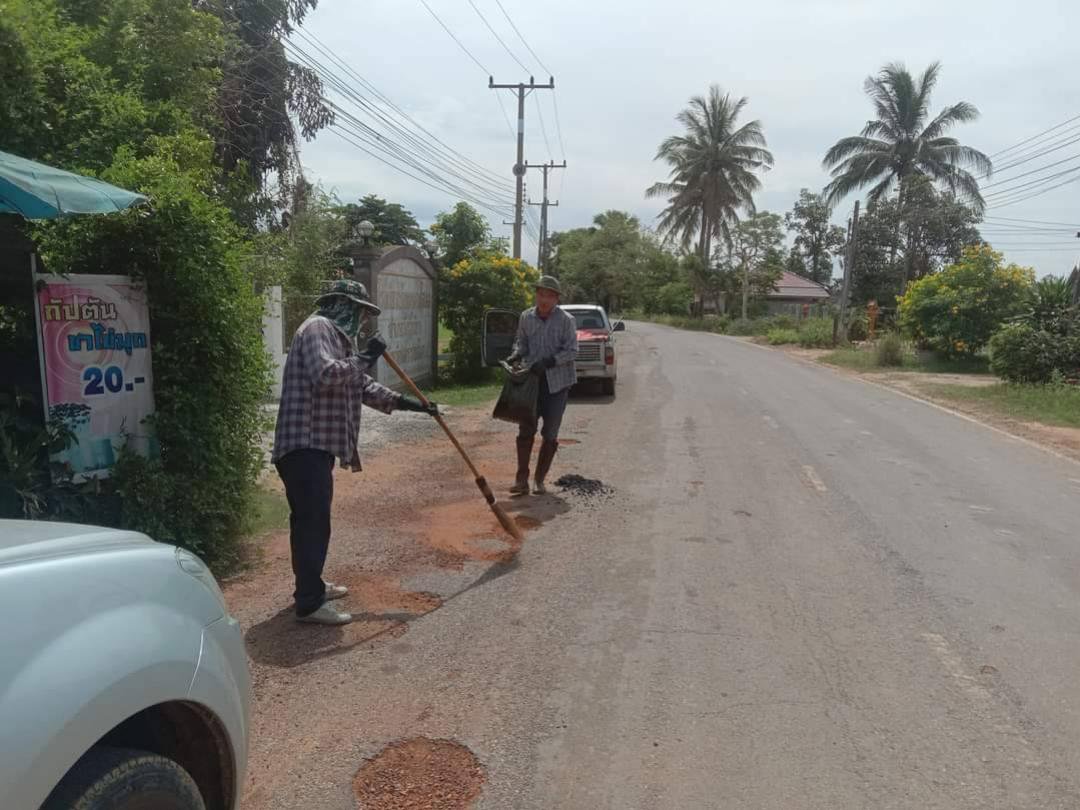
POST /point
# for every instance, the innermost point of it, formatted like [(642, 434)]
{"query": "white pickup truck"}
[(595, 334)]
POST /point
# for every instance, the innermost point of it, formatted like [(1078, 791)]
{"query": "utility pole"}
[(542, 248), (849, 269), (522, 90)]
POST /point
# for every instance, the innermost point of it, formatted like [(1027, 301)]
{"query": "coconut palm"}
[(900, 143), (713, 167)]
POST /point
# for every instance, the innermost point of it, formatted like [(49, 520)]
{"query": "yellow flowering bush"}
[(957, 310), (467, 291)]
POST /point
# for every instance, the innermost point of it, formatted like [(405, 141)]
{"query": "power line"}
[(468, 53), (1031, 185), (484, 183), (523, 42), (382, 97), (1034, 137), (543, 128), (484, 193), (1000, 204), (499, 39), (1035, 221), (1033, 171)]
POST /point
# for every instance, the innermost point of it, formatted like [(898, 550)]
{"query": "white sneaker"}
[(335, 591), (326, 614)]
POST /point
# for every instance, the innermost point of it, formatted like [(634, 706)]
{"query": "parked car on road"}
[(596, 359), (123, 679), (596, 345)]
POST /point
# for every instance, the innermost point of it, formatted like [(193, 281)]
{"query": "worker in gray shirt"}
[(546, 344)]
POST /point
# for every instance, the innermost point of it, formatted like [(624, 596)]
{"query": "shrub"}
[(957, 310), (211, 371), (1022, 353), (745, 327), (674, 298), (780, 322), (889, 351), (858, 330), (466, 291), (780, 337), (816, 333)]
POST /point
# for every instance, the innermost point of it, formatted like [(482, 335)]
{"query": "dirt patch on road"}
[(420, 774)]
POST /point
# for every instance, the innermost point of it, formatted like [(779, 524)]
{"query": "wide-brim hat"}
[(549, 283), (353, 290)]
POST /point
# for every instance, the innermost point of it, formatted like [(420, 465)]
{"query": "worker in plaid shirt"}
[(324, 385), (547, 345)]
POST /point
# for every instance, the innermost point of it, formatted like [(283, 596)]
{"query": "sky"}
[(623, 70)]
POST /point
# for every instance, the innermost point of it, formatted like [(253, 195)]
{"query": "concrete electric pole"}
[(521, 90), (542, 248)]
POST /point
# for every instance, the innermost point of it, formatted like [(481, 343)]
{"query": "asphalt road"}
[(805, 592)]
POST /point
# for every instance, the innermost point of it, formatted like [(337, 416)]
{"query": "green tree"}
[(459, 233), (912, 238), (957, 310), (902, 141), (470, 288), (713, 167), (264, 95), (394, 225), (817, 240), (754, 253), (600, 264)]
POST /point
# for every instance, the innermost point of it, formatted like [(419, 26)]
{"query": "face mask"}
[(345, 314)]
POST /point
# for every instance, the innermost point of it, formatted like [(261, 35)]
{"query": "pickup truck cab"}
[(596, 356)]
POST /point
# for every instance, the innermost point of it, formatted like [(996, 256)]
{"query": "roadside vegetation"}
[(1049, 404)]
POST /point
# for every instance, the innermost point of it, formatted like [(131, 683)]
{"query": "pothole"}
[(420, 774)]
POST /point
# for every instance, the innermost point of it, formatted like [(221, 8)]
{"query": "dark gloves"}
[(373, 351), (540, 366), (407, 403)]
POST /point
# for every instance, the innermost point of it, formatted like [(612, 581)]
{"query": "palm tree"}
[(900, 143), (713, 167)]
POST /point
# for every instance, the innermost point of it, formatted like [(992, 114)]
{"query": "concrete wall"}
[(405, 289), (272, 328)]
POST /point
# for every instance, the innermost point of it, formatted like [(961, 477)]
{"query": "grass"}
[(863, 359), (464, 396), (781, 337), (444, 338), (1047, 404), (269, 512)]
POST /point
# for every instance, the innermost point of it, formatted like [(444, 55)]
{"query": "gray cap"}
[(549, 283)]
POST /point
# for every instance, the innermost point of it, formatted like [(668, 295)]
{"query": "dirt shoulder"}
[(410, 534), (923, 385)]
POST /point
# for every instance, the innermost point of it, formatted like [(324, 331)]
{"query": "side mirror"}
[(620, 326), (500, 331)]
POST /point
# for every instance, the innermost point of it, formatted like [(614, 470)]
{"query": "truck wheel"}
[(125, 779), (609, 386)]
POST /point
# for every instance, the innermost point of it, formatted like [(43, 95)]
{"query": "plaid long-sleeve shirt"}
[(323, 388), (556, 336)]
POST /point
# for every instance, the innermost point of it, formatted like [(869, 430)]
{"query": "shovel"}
[(508, 524)]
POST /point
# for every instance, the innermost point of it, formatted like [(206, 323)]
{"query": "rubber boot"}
[(524, 453), (543, 464)]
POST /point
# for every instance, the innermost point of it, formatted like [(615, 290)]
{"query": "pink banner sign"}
[(95, 350)]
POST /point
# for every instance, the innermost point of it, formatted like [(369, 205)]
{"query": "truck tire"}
[(125, 779), (609, 386)]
